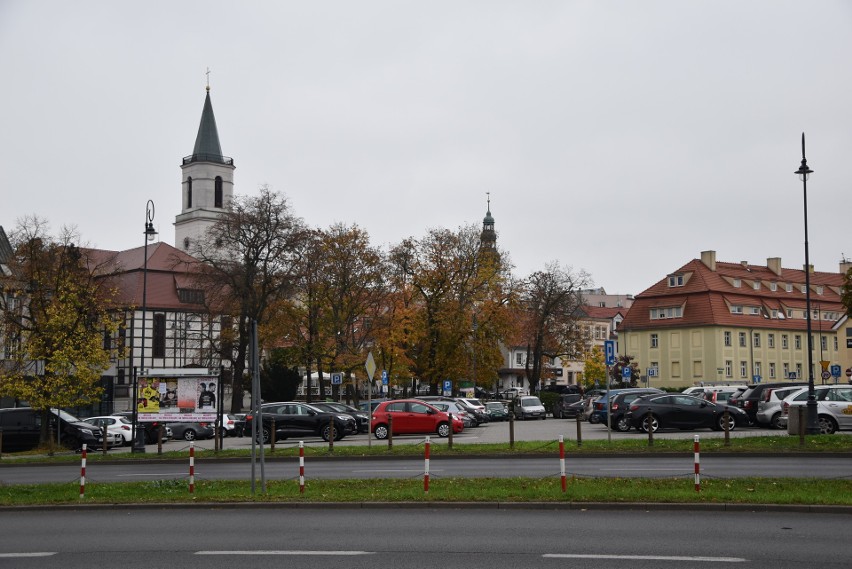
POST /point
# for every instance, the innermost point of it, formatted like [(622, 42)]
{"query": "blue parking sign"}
[(609, 349), (625, 372)]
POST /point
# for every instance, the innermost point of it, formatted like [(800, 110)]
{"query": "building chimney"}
[(845, 266), (774, 265), (709, 259)]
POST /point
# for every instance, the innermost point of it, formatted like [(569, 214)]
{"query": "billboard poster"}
[(191, 399)]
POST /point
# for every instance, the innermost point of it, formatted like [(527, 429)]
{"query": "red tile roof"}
[(706, 297)]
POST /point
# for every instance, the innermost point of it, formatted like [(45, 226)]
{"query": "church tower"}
[(488, 237), (207, 184)]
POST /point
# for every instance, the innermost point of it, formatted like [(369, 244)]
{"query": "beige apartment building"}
[(713, 321)]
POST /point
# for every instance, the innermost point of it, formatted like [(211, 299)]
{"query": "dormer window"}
[(675, 280), (737, 283), (819, 289), (755, 310), (190, 296), (736, 309), (773, 286), (788, 287)]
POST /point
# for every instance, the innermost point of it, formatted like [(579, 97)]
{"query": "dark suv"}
[(294, 419), (620, 404), (754, 393), (22, 429), (562, 407)]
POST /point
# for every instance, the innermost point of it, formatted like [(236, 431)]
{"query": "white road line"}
[(154, 474), (33, 554), (642, 469), (398, 470), (283, 552), (645, 557)]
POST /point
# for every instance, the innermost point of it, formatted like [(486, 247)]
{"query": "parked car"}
[(297, 420), (362, 418), (120, 426), (769, 409), (834, 407), (22, 429), (528, 407), (412, 416), (452, 407), (683, 412), (715, 393), (239, 424), (496, 411), (192, 431), (563, 403), (150, 428), (754, 393), (474, 408), (599, 407), (621, 403)]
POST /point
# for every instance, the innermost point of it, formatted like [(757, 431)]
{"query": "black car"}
[(294, 419), (562, 407), (192, 431), (681, 411), (22, 429), (754, 393), (361, 417), (620, 403)]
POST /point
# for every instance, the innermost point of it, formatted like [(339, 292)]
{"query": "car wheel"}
[(381, 432), (650, 422), (328, 432), (189, 435), (264, 435), (622, 425), (773, 422), (732, 422), (827, 426), (443, 430), (594, 418)]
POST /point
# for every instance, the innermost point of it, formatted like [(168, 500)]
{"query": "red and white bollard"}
[(426, 472), (301, 467), (696, 445), (83, 473), (562, 462), (191, 467)]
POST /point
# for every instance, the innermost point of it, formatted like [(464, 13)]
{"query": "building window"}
[(675, 280), (819, 289), (218, 192), (784, 342), (823, 342), (799, 371), (736, 309), (757, 368), (737, 283), (756, 338), (771, 370), (729, 368), (789, 313), (743, 340), (756, 285), (519, 358), (788, 287), (727, 338), (786, 370), (190, 296), (743, 369), (773, 286), (835, 343), (770, 339), (189, 193), (755, 310), (158, 344), (797, 341), (655, 341)]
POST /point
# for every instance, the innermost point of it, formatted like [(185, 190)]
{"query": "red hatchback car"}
[(411, 416)]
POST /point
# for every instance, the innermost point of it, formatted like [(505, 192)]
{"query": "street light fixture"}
[(812, 426), (150, 233)]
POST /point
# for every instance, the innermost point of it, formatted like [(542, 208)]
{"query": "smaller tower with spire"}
[(207, 185), (488, 237)]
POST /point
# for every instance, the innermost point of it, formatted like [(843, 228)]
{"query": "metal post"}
[(813, 426)]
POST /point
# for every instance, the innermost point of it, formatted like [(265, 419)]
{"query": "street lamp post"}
[(150, 233), (812, 425)]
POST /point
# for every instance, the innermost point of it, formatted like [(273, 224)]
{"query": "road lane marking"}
[(395, 470), (152, 474), (283, 552), (643, 469), (32, 554), (644, 557)]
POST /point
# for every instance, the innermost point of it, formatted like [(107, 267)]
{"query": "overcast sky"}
[(619, 138)]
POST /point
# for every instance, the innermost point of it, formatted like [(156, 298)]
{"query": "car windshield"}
[(530, 402), (67, 417), (475, 402), (494, 405)]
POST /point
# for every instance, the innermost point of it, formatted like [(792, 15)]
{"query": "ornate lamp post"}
[(812, 425), (150, 233)]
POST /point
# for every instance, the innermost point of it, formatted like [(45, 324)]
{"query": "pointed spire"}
[(488, 220), (207, 147)]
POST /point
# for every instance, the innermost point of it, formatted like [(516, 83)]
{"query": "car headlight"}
[(87, 432), (344, 417)]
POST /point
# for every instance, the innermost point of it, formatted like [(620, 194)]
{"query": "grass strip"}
[(624, 490)]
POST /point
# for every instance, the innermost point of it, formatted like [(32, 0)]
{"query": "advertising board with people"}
[(173, 397)]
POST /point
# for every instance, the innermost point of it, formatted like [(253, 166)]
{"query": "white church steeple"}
[(207, 182)]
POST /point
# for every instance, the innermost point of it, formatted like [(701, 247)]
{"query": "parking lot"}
[(547, 430)]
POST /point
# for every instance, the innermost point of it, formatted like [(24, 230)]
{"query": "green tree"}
[(279, 377), (616, 372), (594, 369), (55, 316), (846, 292)]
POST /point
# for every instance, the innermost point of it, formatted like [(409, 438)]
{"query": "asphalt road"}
[(421, 538), (813, 466)]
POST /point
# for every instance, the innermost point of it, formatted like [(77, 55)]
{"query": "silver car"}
[(770, 410), (834, 407)]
